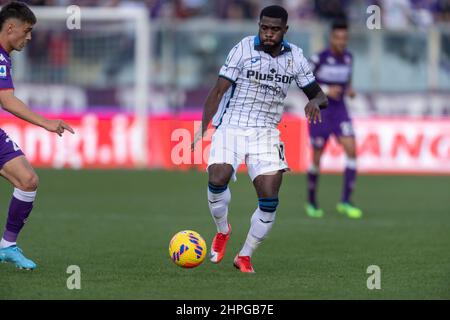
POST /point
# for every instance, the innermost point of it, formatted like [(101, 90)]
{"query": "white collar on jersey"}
[(285, 47)]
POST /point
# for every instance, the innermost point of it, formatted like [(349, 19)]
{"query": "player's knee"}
[(317, 155), (218, 182), (268, 204), (351, 153), (316, 163), (219, 174), (350, 148), (28, 182)]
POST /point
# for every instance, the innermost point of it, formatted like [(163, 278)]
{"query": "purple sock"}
[(313, 178), (19, 209), (349, 182)]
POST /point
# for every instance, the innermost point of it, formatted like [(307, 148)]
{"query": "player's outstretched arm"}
[(211, 105), (317, 101), (15, 106)]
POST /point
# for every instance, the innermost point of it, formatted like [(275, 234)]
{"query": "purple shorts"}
[(8, 149), (336, 121)]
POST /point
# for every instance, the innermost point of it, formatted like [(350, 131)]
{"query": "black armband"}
[(311, 90)]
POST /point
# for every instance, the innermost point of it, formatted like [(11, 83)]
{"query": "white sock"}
[(350, 163), (25, 196), (258, 231), (6, 244), (313, 169), (218, 206)]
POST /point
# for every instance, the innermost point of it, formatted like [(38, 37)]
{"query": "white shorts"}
[(260, 148)]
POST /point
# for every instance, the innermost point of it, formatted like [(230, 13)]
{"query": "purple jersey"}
[(330, 69), (5, 70)]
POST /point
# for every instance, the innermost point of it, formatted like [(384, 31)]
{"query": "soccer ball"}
[(187, 249)]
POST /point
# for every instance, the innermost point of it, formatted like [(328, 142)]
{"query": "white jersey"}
[(260, 83)]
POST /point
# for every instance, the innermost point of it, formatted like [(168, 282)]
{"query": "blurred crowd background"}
[(130, 74), (401, 69), (396, 13)]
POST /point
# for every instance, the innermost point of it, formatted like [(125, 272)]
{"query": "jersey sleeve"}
[(233, 64), (5, 77), (304, 75)]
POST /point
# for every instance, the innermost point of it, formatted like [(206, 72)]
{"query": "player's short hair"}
[(274, 12), (339, 24), (18, 10)]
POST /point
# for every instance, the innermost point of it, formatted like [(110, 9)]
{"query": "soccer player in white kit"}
[(246, 105)]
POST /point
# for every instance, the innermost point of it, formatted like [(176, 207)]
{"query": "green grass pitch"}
[(116, 226)]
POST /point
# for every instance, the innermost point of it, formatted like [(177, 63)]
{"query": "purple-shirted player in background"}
[(16, 23), (333, 70)]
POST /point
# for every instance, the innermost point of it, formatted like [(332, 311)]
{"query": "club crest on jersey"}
[(2, 71), (2, 58), (331, 60), (289, 63), (251, 74)]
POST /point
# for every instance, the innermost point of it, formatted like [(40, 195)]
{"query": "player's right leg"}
[(219, 197), (318, 136), (226, 153), (19, 172)]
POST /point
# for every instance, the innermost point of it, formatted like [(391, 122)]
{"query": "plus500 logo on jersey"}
[(269, 77)]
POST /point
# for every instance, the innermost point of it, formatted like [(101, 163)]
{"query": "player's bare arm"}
[(350, 92), (211, 105), (334, 91), (15, 106), (317, 101)]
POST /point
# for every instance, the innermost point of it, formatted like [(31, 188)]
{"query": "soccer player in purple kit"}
[(16, 24), (333, 70)]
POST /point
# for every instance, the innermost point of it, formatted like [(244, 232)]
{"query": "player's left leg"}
[(350, 173), (267, 187), (19, 172), (265, 163), (312, 208)]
